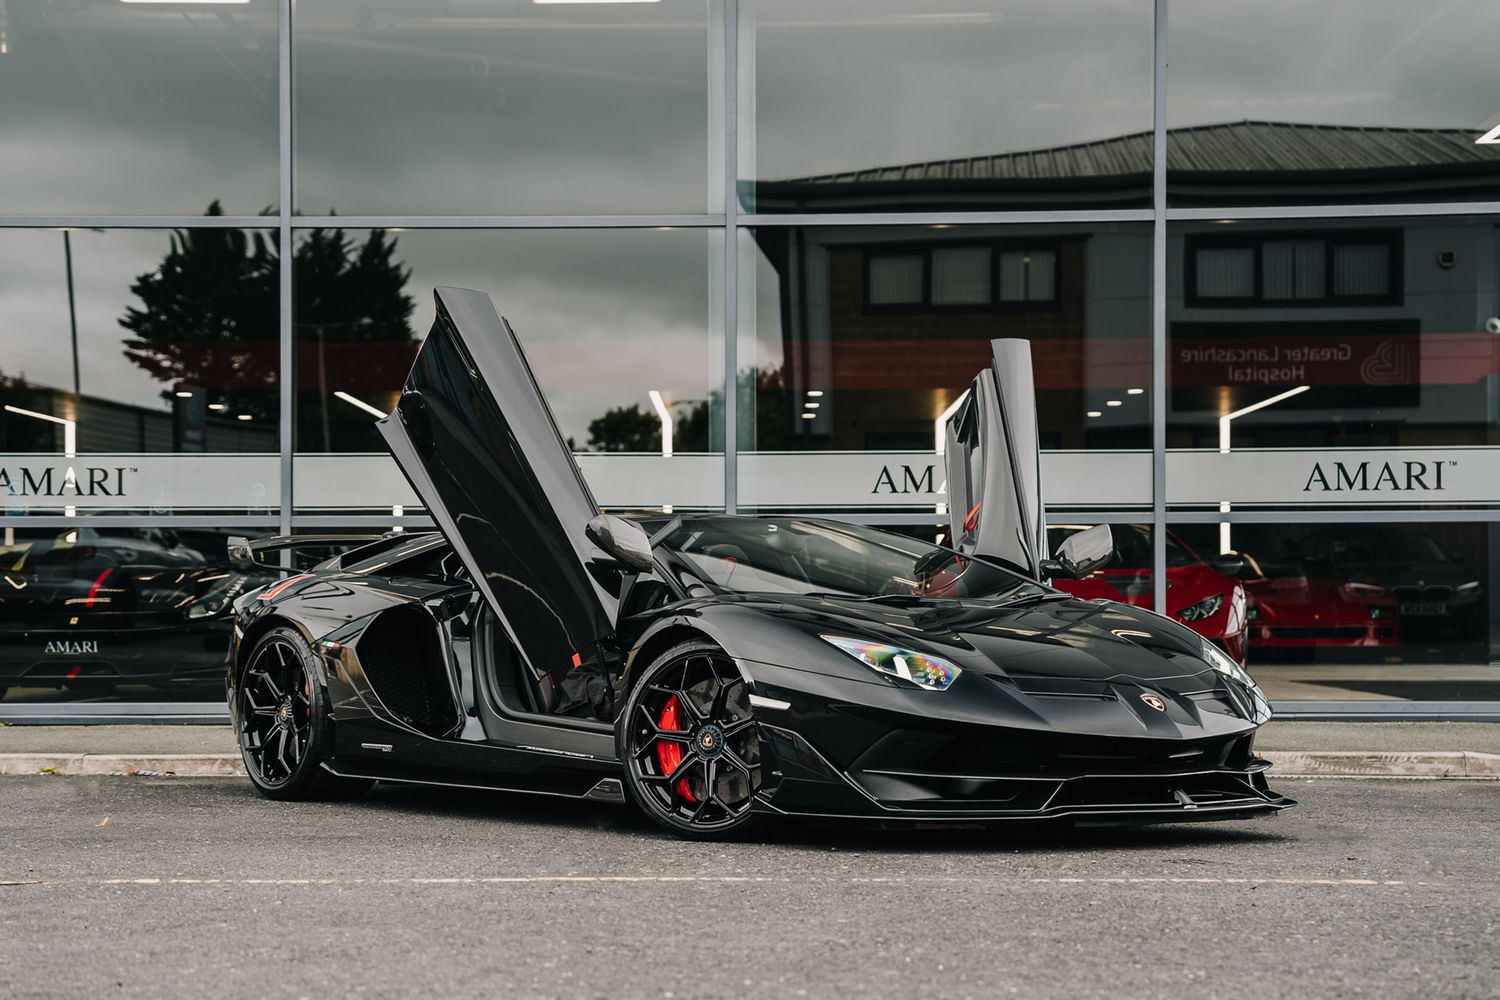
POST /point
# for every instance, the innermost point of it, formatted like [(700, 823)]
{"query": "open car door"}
[(993, 458), (475, 438)]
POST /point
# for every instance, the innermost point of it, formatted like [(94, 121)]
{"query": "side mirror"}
[(1082, 553), (1228, 563), (623, 541)]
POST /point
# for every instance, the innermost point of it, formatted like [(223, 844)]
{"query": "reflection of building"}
[(1241, 163), (107, 426)]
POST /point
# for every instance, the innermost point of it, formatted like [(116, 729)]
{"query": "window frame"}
[(993, 248), (1391, 239)]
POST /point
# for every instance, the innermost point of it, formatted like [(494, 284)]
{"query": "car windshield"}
[(798, 556)]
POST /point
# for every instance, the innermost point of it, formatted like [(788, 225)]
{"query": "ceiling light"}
[(183, 394), (358, 403), (1134, 392), (809, 416), (218, 407), (811, 406), (244, 416), (1095, 413), (815, 393), (1113, 402)]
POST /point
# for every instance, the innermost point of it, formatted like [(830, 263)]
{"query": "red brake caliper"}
[(668, 752)]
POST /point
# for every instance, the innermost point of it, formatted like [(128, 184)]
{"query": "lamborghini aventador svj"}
[(717, 671)]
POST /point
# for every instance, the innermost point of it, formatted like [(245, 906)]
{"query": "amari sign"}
[(1354, 476)]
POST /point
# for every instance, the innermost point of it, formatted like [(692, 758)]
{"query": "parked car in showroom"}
[(87, 609), (1206, 598), (1301, 604), (1438, 595), (719, 671)]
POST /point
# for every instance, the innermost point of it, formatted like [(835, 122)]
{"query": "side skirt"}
[(605, 790)]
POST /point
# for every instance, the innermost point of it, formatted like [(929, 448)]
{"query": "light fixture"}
[(1224, 422), (809, 416), (183, 394), (356, 402), (812, 406), (218, 407), (1134, 392), (664, 413), (244, 416), (815, 393), (1113, 402), (1096, 413)]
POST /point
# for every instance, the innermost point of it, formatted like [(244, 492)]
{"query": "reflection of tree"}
[(631, 428), (208, 317)]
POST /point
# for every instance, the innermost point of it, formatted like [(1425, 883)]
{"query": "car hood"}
[(1056, 636)]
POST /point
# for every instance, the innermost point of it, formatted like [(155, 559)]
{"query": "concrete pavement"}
[(163, 888)]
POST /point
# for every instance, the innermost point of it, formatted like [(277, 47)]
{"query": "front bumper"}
[(862, 758), (1294, 635)]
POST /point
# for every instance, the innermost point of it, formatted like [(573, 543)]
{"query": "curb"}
[(1366, 764), (1285, 763), (181, 765)]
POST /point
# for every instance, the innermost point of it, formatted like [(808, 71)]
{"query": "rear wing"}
[(246, 554)]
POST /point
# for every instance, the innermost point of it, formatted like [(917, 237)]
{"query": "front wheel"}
[(690, 745), (284, 730)]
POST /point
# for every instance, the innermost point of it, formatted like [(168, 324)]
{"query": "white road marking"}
[(742, 879)]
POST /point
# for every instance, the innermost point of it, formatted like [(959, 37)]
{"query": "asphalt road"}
[(196, 887)]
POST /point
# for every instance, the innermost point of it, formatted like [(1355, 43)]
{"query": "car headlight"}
[(1222, 662), (1472, 587), (1206, 608), (931, 673)]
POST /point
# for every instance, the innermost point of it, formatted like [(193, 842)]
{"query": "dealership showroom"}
[(756, 255), (754, 267)]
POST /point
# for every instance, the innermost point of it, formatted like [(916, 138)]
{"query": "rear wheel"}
[(691, 746), (284, 730)]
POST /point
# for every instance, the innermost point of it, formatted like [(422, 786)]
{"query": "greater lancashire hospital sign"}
[(250, 484)]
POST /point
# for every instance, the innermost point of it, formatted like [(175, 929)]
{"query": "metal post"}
[(1159, 315), (731, 255), (288, 377)]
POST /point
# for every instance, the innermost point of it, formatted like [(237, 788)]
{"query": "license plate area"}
[(1424, 608)]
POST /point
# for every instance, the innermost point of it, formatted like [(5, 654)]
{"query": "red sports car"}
[(1295, 605), (1202, 598)]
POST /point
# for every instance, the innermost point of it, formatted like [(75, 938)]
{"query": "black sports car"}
[(718, 670)]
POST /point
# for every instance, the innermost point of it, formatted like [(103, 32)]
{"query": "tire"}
[(691, 746), (285, 733)]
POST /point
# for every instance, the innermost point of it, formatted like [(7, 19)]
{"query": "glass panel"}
[(492, 107), (607, 317), (1353, 612), (849, 396), (882, 105), (146, 379), (1285, 102), (1385, 392), (1225, 272), (135, 109), (895, 279), (961, 276), (127, 614)]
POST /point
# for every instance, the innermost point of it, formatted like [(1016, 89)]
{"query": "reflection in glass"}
[(1288, 102), (1368, 611), (141, 344), (132, 613), (132, 109), (607, 317), (1365, 332), (862, 337), (491, 107), (882, 105)]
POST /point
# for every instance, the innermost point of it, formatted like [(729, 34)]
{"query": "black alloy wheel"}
[(691, 746), (284, 730)]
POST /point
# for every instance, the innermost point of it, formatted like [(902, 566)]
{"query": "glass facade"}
[(756, 249)]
